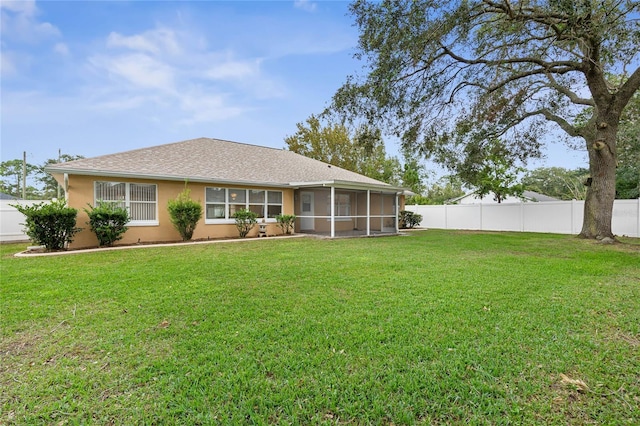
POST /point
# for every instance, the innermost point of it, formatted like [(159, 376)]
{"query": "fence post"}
[(446, 222)]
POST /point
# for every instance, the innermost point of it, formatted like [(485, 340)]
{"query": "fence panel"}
[(11, 220), (554, 217), (464, 217), (559, 217), (502, 217), (626, 218)]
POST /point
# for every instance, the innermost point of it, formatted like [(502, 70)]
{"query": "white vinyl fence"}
[(559, 217), (11, 220)]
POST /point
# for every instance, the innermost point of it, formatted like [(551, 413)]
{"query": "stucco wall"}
[(81, 192)]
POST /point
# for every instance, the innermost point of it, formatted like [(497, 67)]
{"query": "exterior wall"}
[(81, 193)]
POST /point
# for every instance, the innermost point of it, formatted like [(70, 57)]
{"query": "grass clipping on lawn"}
[(435, 327)]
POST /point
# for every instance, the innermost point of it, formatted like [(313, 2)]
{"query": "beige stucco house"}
[(226, 177)]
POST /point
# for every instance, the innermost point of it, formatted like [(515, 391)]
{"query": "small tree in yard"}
[(409, 219), (51, 224), (286, 222), (108, 222), (185, 214), (245, 221)]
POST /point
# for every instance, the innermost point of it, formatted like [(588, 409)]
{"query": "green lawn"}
[(434, 327)]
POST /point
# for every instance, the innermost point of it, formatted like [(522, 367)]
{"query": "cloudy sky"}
[(93, 78)]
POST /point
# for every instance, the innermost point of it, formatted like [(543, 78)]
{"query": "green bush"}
[(409, 219), (185, 214), (52, 225), (245, 221), (286, 222), (108, 222)]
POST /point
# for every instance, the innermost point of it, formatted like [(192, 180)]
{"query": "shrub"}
[(52, 225), (245, 221), (286, 222), (108, 222), (409, 219), (185, 214)]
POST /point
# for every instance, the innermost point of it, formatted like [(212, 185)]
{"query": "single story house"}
[(527, 196), (227, 177)]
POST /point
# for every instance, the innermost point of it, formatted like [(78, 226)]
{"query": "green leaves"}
[(51, 224), (332, 143), (108, 221), (185, 214), (245, 221), (286, 222)]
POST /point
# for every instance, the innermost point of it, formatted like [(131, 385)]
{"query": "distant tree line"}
[(40, 184)]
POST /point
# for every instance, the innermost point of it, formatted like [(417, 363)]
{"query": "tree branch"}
[(628, 89), (564, 124), (574, 98)]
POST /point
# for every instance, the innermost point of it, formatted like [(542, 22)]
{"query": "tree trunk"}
[(601, 191)]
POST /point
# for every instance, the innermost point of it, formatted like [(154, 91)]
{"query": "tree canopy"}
[(364, 152), (443, 76), (11, 178), (557, 182)]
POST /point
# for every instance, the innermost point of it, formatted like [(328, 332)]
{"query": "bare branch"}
[(574, 98), (564, 124)]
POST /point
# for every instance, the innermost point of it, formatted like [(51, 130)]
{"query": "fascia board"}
[(197, 179)]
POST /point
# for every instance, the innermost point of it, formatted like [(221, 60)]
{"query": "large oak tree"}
[(444, 76)]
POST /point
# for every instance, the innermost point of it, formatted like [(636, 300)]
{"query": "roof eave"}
[(131, 175), (349, 185)]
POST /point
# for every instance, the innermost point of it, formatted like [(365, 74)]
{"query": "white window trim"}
[(247, 203), (127, 201)]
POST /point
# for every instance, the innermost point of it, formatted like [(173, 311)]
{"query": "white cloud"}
[(233, 70), (160, 40), (139, 70), (61, 49), (306, 5), (21, 6), (7, 64), (13, 62), (20, 22), (200, 107)]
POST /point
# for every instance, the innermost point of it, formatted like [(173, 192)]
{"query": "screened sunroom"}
[(336, 210)]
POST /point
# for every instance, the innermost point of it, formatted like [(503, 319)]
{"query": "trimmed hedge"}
[(52, 225)]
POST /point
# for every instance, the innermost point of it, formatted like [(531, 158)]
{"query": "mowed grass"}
[(436, 327)]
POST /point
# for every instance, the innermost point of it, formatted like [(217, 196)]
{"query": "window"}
[(342, 205), (256, 202), (223, 203), (274, 203), (237, 199), (215, 203), (140, 199)]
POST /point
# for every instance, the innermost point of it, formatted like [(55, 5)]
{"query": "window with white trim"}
[(223, 203), (342, 204), (274, 203), (140, 199)]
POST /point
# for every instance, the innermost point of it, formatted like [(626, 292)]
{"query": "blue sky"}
[(94, 78)]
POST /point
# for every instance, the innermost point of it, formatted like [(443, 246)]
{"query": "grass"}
[(435, 327)]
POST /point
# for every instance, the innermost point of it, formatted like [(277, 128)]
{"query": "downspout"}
[(333, 212), (66, 187), (397, 211), (368, 212)]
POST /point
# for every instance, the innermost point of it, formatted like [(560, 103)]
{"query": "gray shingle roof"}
[(214, 160)]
